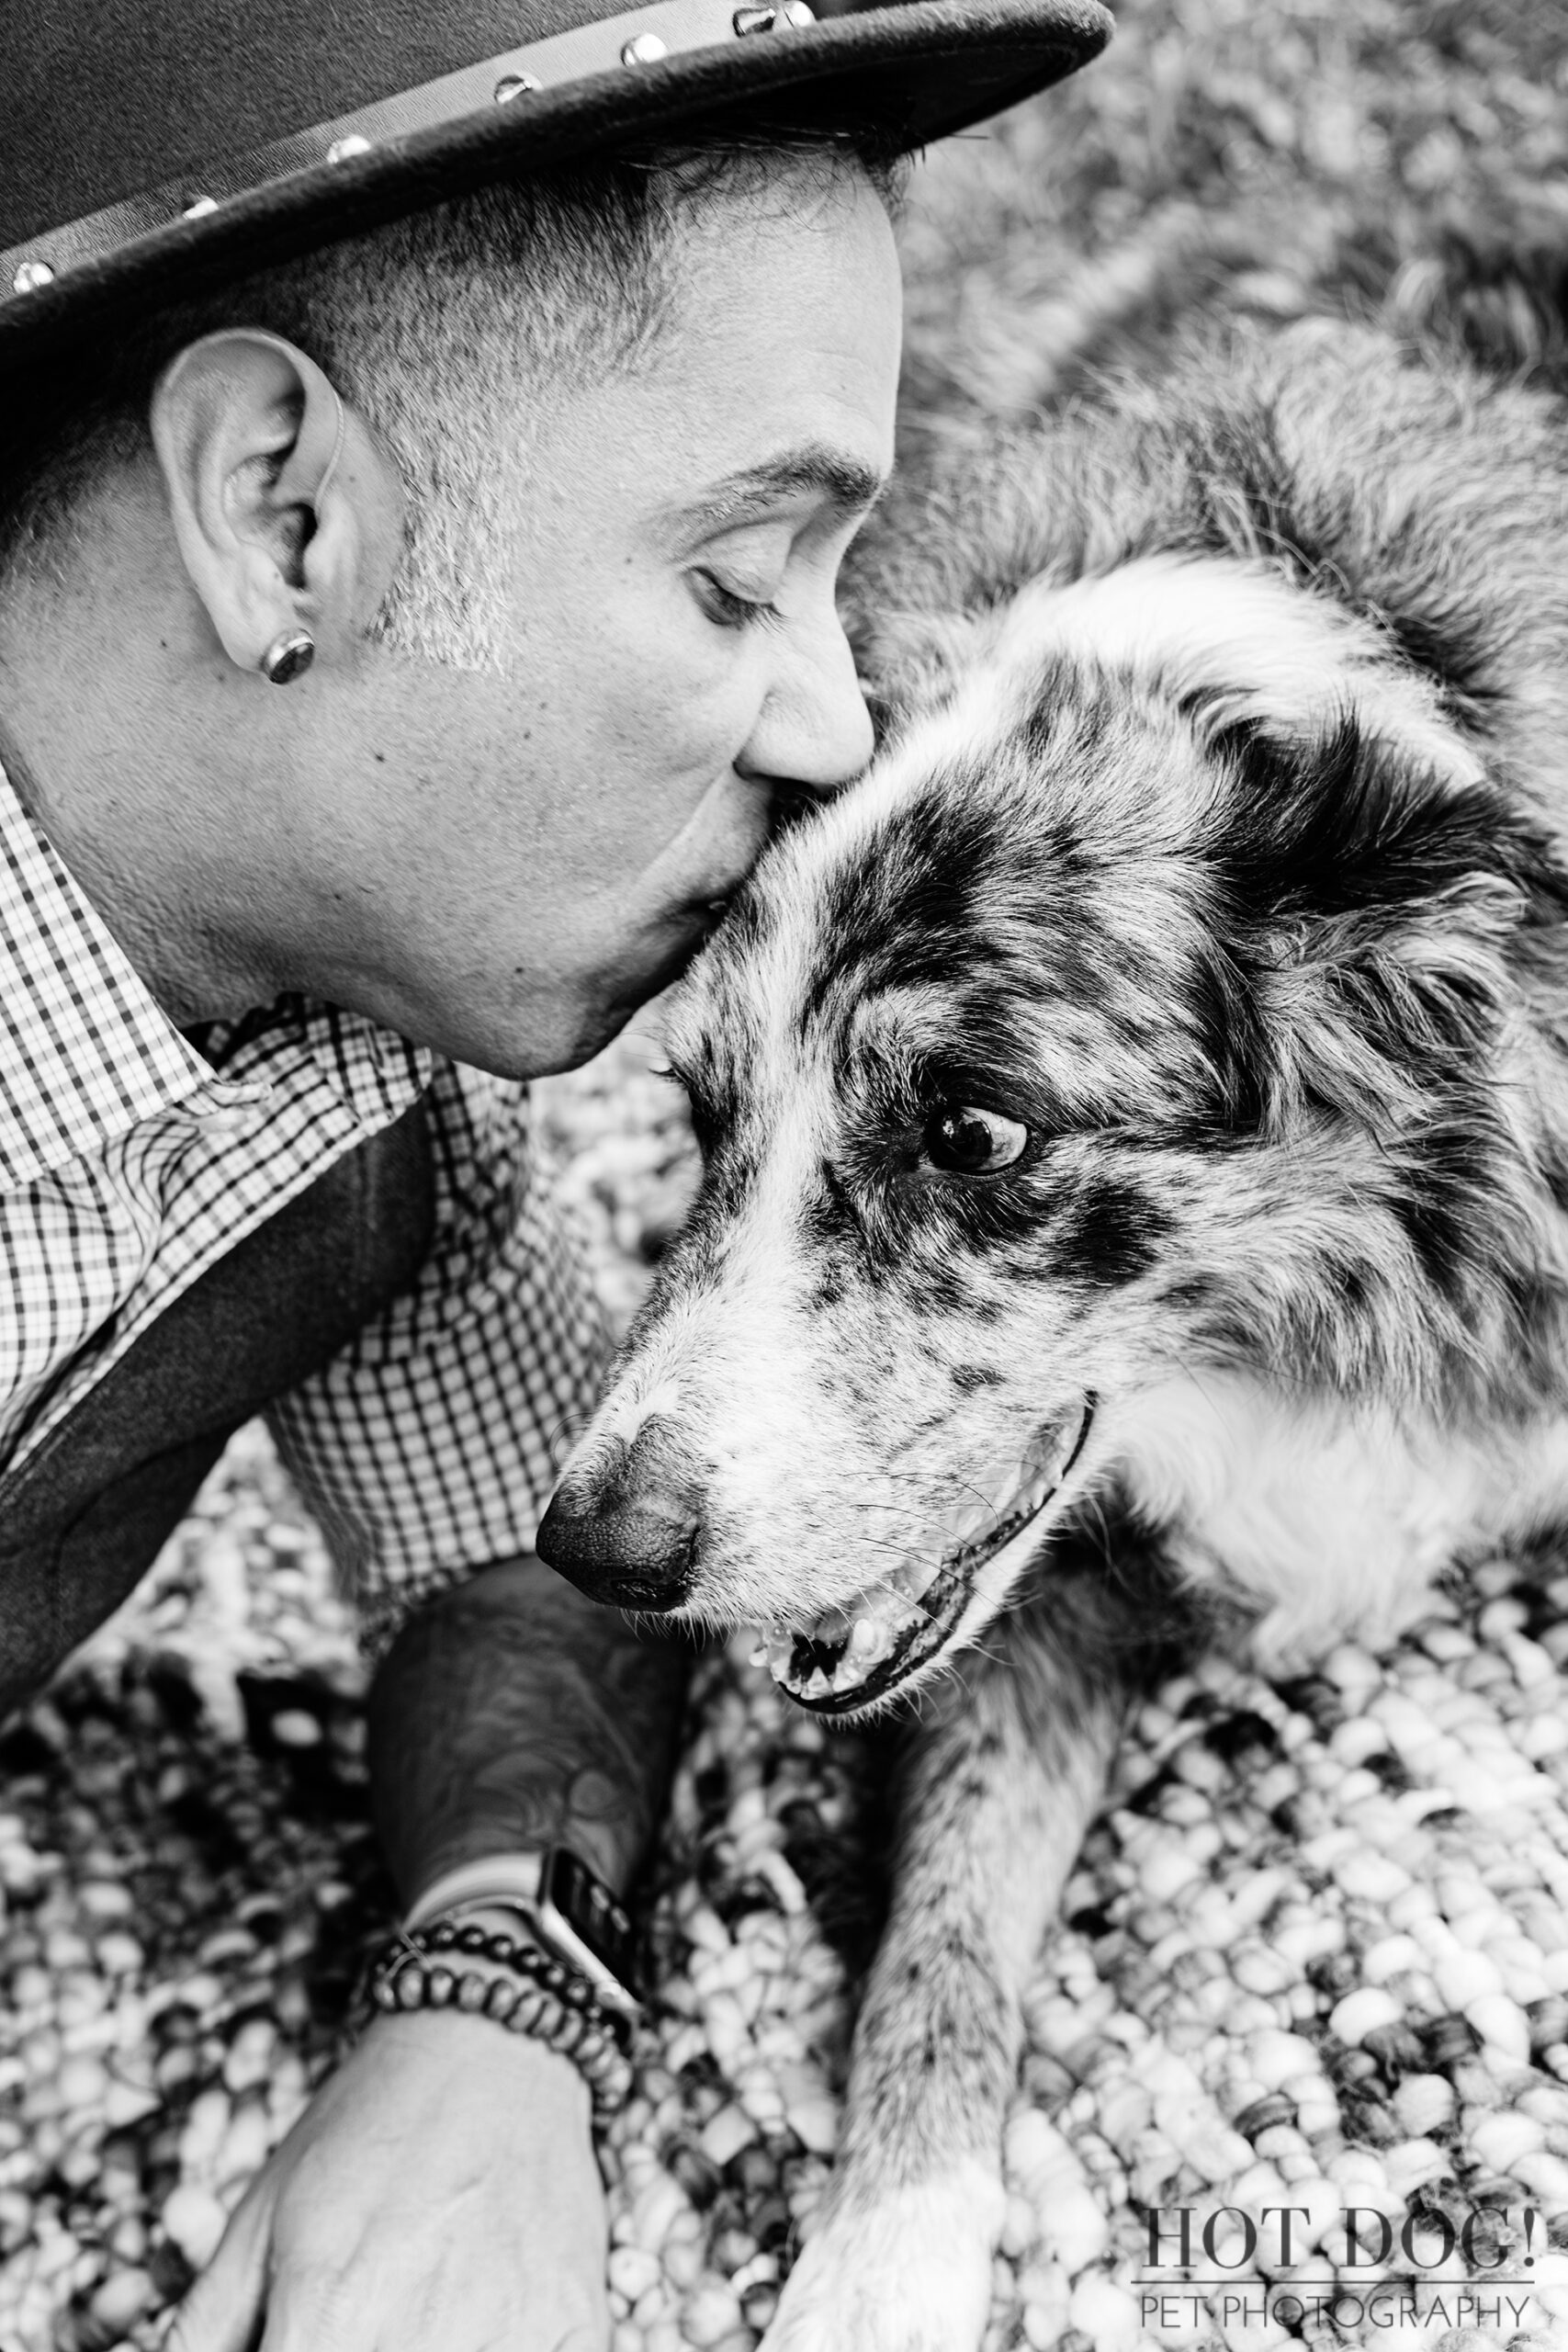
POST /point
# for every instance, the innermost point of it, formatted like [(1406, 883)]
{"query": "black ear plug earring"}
[(289, 655)]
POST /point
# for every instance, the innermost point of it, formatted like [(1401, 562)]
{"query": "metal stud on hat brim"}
[(794, 13), (232, 99)]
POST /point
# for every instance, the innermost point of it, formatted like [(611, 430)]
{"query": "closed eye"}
[(727, 608)]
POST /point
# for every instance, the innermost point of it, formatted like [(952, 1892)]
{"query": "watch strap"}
[(563, 1906), (510, 1881)]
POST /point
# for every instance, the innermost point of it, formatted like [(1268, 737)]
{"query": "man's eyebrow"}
[(848, 485)]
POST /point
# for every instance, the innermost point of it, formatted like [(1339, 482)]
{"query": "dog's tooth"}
[(759, 1655), (866, 1636), (886, 1610), (855, 1665)]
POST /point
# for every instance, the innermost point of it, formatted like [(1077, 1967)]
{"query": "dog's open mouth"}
[(858, 1654)]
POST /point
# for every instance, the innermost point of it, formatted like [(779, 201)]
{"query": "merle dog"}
[(1135, 1131)]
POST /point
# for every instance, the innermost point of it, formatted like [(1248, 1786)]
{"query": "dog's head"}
[(1160, 1002)]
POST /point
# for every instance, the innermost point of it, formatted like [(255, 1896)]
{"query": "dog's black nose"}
[(627, 1530)]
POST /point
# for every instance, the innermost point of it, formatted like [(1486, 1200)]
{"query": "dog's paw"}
[(910, 2272)]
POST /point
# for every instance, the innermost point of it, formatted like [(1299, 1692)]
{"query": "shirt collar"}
[(86, 1053)]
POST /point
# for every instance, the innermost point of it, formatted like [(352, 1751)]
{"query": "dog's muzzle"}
[(627, 1527)]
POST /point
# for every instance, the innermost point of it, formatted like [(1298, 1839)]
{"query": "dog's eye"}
[(965, 1141)]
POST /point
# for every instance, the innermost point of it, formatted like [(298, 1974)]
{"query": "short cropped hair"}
[(440, 328)]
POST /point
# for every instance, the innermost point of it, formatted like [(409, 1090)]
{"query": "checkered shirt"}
[(130, 1162)]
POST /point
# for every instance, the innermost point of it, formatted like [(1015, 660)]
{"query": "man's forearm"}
[(513, 1713)]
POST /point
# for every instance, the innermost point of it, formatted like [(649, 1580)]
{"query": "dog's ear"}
[(1391, 921)]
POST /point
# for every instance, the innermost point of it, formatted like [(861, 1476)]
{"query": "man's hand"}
[(438, 2195)]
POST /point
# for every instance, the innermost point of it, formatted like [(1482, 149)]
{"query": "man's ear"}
[(286, 513)]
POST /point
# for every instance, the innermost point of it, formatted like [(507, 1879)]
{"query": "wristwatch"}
[(566, 1908)]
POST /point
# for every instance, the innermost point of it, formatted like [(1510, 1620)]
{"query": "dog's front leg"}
[(1007, 1765)]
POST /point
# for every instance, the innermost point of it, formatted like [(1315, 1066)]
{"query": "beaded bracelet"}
[(448, 1935), (521, 1988)]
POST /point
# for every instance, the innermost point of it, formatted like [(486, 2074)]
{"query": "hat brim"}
[(914, 72)]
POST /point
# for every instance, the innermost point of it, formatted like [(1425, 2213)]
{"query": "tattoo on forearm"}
[(511, 1712)]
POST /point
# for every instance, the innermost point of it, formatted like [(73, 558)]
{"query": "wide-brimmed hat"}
[(156, 147)]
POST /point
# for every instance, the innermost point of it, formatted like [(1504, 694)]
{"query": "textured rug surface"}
[(1315, 1954)]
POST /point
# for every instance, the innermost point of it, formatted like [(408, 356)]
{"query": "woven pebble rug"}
[(1314, 1956)]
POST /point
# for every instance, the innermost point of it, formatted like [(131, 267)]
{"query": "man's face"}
[(547, 846)]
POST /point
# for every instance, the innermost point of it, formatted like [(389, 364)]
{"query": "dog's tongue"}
[(843, 1647)]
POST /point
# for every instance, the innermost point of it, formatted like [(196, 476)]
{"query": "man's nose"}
[(814, 729), (627, 1527)]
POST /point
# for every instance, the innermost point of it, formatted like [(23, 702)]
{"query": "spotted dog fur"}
[(1217, 847)]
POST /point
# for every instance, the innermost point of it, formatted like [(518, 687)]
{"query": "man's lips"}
[(703, 910), (682, 933), (854, 1656)]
